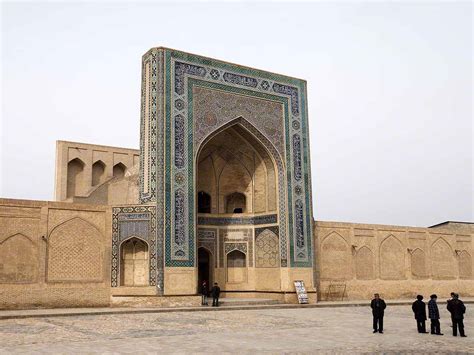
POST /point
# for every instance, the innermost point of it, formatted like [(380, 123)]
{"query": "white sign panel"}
[(301, 291)]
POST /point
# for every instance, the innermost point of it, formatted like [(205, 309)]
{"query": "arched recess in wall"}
[(204, 202), (392, 259), (98, 173), (365, 264), (75, 252), (418, 264), (235, 203), (119, 170), (335, 257), (18, 260), (236, 267), (233, 160), (442, 260), (75, 177), (266, 250), (465, 265), (134, 268)]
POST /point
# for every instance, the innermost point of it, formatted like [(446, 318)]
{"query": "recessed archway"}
[(75, 177), (204, 267), (134, 263), (237, 172)]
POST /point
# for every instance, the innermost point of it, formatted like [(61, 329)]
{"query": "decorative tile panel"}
[(137, 221), (183, 73)]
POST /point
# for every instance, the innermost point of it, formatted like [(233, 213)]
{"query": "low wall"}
[(54, 254), (397, 262)]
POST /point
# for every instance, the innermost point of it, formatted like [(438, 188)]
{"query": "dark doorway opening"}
[(204, 264), (204, 202)]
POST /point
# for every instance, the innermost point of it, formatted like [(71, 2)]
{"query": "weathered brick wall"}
[(54, 254), (398, 262)]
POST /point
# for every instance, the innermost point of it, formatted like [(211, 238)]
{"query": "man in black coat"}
[(433, 313), (378, 306), (204, 293), (215, 292), (457, 309), (419, 309)]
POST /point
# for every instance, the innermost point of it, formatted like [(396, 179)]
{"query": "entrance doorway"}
[(134, 261), (204, 267)]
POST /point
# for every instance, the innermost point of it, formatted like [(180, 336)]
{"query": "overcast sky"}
[(389, 86)]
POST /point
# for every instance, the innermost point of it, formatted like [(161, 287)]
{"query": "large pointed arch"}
[(250, 132)]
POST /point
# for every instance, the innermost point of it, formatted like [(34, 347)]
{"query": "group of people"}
[(454, 305), (215, 293)]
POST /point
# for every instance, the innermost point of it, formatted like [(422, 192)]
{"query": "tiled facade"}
[(199, 117)]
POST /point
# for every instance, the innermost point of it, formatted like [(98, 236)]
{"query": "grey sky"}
[(389, 86)]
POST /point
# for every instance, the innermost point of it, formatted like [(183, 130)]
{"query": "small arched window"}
[(236, 259), (204, 202), (119, 170), (98, 172), (235, 203)]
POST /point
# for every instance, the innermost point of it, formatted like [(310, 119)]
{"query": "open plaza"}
[(308, 330)]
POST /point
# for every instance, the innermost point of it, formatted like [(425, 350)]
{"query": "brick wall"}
[(398, 262), (54, 254)]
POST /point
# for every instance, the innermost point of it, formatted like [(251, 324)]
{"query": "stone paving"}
[(311, 330)]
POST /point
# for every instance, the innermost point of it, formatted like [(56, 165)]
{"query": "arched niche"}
[(442, 260), (233, 160), (75, 252), (75, 177), (335, 253), (98, 173), (18, 260), (119, 170), (392, 259), (236, 262), (134, 269), (236, 202), (204, 202)]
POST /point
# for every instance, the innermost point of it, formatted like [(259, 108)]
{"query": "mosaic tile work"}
[(137, 221), (240, 236), (207, 238), (225, 221), (181, 74)]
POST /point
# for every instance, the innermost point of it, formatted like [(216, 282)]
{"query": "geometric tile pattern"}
[(140, 222), (168, 106)]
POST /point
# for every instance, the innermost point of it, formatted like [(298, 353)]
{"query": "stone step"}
[(231, 301)]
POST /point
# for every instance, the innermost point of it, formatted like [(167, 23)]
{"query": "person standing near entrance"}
[(378, 308), (419, 309), (215, 292), (433, 313), (457, 309), (204, 293)]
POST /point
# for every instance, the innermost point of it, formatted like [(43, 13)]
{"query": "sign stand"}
[(301, 292)]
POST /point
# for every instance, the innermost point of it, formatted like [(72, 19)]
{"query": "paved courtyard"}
[(340, 330)]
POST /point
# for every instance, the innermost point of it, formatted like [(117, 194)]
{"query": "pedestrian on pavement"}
[(457, 309), (204, 293), (378, 306), (419, 309), (433, 313), (215, 292)]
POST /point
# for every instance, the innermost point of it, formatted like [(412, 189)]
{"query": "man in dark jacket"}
[(378, 306), (204, 293), (457, 309), (433, 314), (215, 292), (419, 309)]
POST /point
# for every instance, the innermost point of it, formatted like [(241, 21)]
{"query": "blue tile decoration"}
[(137, 221), (174, 75), (297, 157), (225, 221)]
